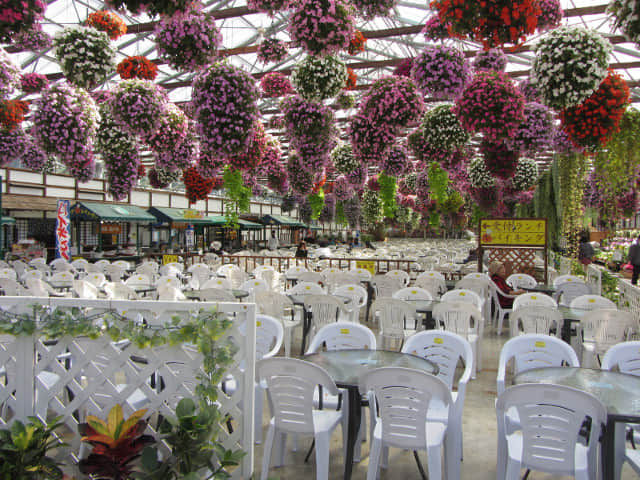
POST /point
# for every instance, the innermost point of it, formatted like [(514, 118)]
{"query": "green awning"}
[(247, 225), (179, 215), (108, 212), (221, 221), (282, 221), (8, 221), (314, 227), (217, 220)]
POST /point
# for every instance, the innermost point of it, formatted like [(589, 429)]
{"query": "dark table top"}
[(619, 392), (346, 367), (195, 294)]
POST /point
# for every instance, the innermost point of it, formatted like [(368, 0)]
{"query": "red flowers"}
[(12, 113), (137, 67), (592, 123), (197, 187), (357, 43), (107, 22), (352, 78)]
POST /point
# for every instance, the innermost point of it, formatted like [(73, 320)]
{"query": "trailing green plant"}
[(438, 182), (371, 208), (237, 197), (388, 189), (24, 450), (546, 204), (316, 201), (341, 219), (572, 169), (610, 287)]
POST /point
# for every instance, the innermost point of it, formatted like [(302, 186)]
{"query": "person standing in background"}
[(634, 260), (273, 243)]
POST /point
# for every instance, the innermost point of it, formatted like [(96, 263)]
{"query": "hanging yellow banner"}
[(367, 265), (513, 231)]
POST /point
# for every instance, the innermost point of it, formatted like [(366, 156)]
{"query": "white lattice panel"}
[(74, 377), (629, 298), (594, 279)]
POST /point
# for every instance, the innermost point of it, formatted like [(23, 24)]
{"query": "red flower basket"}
[(358, 41), (592, 123), (197, 187), (352, 78), (137, 67), (12, 113), (107, 22)]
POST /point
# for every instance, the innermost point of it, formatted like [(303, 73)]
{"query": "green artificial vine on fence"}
[(388, 189), (316, 201), (237, 198), (572, 169)]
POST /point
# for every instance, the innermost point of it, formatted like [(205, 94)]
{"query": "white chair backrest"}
[(445, 349), (386, 286), (30, 274), (34, 261), (567, 291), (293, 413), (169, 270), (480, 285), (521, 280), (62, 278), (216, 295), (401, 274), (38, 288), (170, 281), (343, 336), (533, 299), (335, 280), (412, 293), (592, 302), (432, 274), (567, 278), (310, 277), (324, 309), (59, 264), (254, 286), (97, 278), (535, 319), (357, 294), (269, 335), (103, 263), (477, 275), (625, 356), (394, 315), (8, 273), (273, 304), (119, 291), (462, 318), (168, 292), (409, 391), (462, 295), (330, 271), (306, 288), (198, 267), (227, 268), (148, 270), (11, 288), (607, 327), (122, 264), (534, 351), (217, 282), (270, 277), (435, 285), (115, 272), (84, 289), (138, 279), (80, 264), (19, 266), (293, 272), (362, 273)]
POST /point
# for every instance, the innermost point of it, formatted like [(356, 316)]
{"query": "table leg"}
[(608, 449), (369, 300), (353, 426), (306, 326), (565, 333)]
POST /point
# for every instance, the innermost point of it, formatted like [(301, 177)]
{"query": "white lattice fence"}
[(629, 298), (594, 279), (74, 377)]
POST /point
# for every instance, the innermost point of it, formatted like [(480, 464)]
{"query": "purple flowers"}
[(272, 50), (275, 84), (137, 106), (188, 40), (321, 27), (33, 82), (492, 59), (172, 130), (441, 71), (535, 133)]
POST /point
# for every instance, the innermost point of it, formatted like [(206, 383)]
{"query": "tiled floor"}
[(479, 432)]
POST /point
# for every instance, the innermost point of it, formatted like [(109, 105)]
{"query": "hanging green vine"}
[(438, 183), (388, 189), (546, 204), (341, 219), (238, 197), (316, 201), (572, 169)]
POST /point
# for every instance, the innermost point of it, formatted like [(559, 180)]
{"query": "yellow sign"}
[(513, 231), (367, 265), (169, 259), (192, 215)]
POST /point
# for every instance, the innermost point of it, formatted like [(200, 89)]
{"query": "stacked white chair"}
[(535, 319), (358, 297)]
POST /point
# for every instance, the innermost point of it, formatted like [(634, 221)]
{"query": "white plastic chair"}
[(222, 283), (8, 273), (138, 281), (122, 264), (215, 295), (550, 434), (432, 281), (362, 273), (567, 278), (97, 278), (80, 264), (290, 386), (305, 288), (603, 328), (311, 277), (11, 288), (535, 319), (358, 297), (84, 289), (114, 272), (401, 274), (386, 286), (254, 286), (166, 280), (31, 274), (335, 280), (40, 288), (567, 291), (270, 277), (533, 351), (592, 302), (404, 399), (324, 309), (463, 319), (168, 292), (521, 280), (343, 336), (120, 291), (394, 315), (533, 299), (446, 349), (293, 272), (279, 306)]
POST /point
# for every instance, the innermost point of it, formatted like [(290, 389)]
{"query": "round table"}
[(347, 367)]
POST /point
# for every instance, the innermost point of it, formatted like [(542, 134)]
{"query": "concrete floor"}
[(479, 433)]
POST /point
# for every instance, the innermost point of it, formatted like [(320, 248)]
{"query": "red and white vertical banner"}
[(63, 230)]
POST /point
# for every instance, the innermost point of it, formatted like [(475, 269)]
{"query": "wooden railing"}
[(281, 264)]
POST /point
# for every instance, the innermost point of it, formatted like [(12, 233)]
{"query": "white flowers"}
[(526, 174), (479, 176), (318, 78)]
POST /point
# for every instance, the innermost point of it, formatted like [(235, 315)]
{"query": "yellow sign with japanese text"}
[(169, 259), (367, 265), (513, 231)]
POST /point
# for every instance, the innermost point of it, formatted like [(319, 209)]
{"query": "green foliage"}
[(438, 183), (546, 204), (340, 217), (316, 201), (237, 198), (572, 169), (371, 208), (24, 449), (388, 189), (610, 287)]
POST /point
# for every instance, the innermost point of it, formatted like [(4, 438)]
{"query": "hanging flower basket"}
[(172, 129), (479, 176), (369, 9), (569, 64), (13, 144), (107, 22), (370, 142), (272, 50), (179, 158), (352, 211), (550, 16), (224, 101), (535, 133), (357, 177), (19, 16), (188, 40), (358, 41), (319, 78), (434, 29), (404, 68), (626, 16), (64, 124), (392, 101), (491, 59), (423, 150), (397, 162), (208, 165), (156, 7), (33, 39), (342, 189), (345, 101), (407, 185), (253, 156), (270, 7), (275, 84), (9, 74), (628, 203), (526, 174), (272, 167), (499, 160), (196, 186), (442, 129), (86, 56), (159, 178), (33, 82), (137, 106), (321, 27), (352, 79), (121, 172), (12, 113), (492, 105), (343, 159), (33, 157), (110, 137), (300, 180), (529, 90), (441, 71), (592, 123), (137, 67)]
